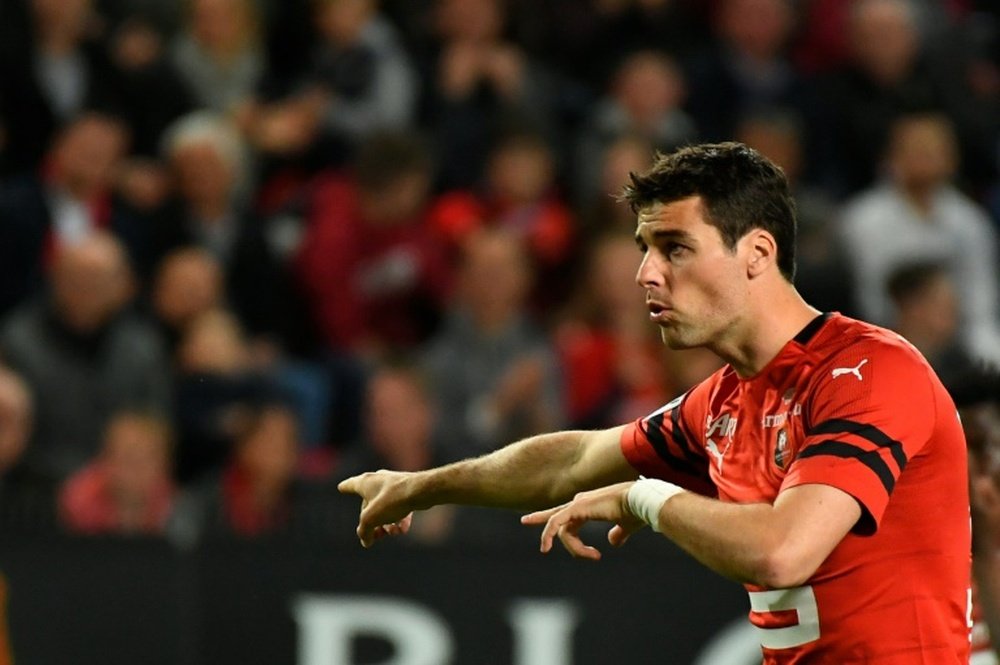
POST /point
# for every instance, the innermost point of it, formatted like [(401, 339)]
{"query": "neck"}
[(756, 340), (921, 197)]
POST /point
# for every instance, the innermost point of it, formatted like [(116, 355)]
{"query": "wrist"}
[(646, 497)]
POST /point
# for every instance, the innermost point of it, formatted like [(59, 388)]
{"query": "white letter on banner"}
[(327, 625), (543, 631)]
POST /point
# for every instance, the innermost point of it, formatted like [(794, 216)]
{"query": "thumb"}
[(620, 533)]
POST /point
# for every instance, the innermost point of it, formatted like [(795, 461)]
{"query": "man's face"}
[(694, 284)]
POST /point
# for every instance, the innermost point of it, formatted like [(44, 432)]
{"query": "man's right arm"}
[(537, 472)]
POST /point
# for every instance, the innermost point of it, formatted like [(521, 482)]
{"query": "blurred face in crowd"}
[(626, 155), (222, 27), (648, 85), (341, 21), (90, 282), (922, 153), (758, 28), (188, 283), (776, 141), (930, 318), (62, 16), (137, 456), (15, 417), (521, 172), (214, 343), (612, 270), (399, 201), (87, 154), (399, 420), (495, 278), (205, 178), (884, 39), (476, 21), (695, 286), (269, 452)]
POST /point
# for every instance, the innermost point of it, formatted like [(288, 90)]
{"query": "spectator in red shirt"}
[(128, 488), (372, 271)]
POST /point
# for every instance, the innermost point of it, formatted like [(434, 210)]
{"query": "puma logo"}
[(856, 370), (714, 451)]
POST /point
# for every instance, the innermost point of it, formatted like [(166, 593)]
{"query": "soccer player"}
[(823, 466)]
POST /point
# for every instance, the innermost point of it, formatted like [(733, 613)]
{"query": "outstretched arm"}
[(539, 471), (777, 546)]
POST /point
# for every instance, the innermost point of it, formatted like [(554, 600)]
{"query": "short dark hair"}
[(741, 190), (912, 279)]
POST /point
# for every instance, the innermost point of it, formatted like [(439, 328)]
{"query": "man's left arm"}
[(776, 546)]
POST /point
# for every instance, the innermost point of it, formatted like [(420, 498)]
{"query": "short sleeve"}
[(872, 410), (661, 445)]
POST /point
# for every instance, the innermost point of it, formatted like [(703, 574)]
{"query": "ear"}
[(762, 252)]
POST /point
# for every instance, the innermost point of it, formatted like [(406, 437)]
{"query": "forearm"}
[(735, 540), (776, 546), (539, 471)]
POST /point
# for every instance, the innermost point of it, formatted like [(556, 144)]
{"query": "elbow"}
[(783, 568)]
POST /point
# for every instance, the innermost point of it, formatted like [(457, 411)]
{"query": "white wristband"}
[(647, 496)]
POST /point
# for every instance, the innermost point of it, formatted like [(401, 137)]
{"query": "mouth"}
[(658, 312)]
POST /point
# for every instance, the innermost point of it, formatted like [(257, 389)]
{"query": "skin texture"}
[(701, 293)]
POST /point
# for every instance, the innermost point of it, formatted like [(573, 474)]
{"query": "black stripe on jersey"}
[(811, 329), (865, 431), (680, 438), (869, 458), (659, 442)]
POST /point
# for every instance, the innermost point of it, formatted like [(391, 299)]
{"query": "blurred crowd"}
[(250, 247)]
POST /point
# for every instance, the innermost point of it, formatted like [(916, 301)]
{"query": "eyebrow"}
[(662, 234)]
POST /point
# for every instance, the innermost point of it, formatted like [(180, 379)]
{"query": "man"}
[(823, 466)]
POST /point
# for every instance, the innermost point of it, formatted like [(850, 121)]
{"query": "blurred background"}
[(251, 247)]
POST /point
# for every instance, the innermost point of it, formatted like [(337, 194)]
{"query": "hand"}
[(385, 510), (608, 504)]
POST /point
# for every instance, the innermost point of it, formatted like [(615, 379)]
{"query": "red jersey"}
[(853, 406)]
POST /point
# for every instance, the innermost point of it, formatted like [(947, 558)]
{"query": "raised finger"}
[(541, 516), (349, 486), (569, 536)]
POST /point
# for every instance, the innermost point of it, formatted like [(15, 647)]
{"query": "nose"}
[(649, 274)]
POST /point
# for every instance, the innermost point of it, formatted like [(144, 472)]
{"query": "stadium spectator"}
[(747, 68), (820, 466), (360, 80), (822, 275), (926, 313), (84, 356), (977, 395), (69, 198), (644, 98), (602, 213), (128, 487), (188, 283), (490, 366), (917, 214), (374, 274), (217, 382), (218, 53), (520, 195), (586, 40), (16, 418), (889, 73), (50, 74), (399, 423), (611, 359), (256, 493), (208, 160), (481, 86)]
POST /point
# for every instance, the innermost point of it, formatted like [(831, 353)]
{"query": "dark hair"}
[(741, 190), (386, 156), (912, 279)]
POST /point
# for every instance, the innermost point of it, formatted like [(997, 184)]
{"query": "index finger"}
[(541, 516), (349, 486)]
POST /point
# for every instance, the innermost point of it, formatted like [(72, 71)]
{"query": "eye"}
[(642, 246), (674, 250)]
